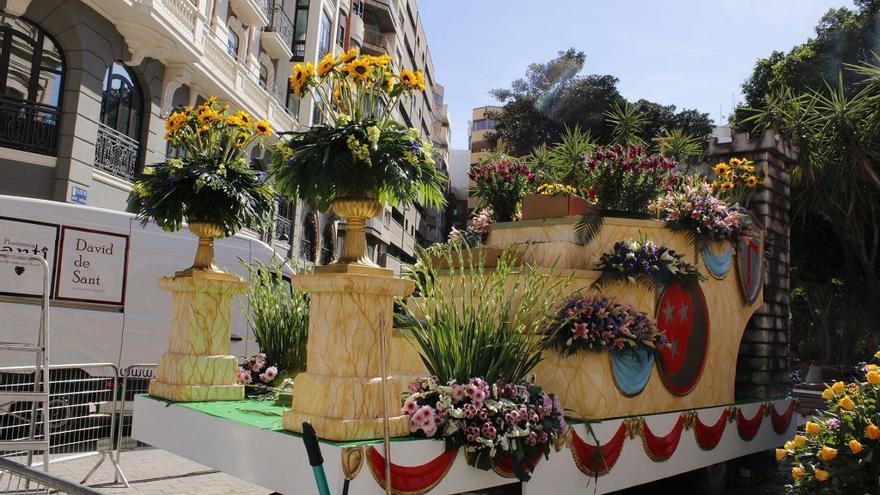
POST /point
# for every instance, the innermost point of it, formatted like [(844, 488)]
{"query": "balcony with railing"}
[(252, 12), (282, 229), (28, 126), (306, 250), (116, 153), (376, 43), (277, 37)]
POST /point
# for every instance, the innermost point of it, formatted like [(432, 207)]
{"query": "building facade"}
[(479, 146), (88, 84)]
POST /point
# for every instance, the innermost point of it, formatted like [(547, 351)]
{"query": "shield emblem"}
[(683, 315), (750, 261)]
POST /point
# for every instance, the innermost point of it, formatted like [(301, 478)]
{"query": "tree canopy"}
[(554, 96)]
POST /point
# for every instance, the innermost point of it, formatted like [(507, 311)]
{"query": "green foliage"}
[(500, 186), (681, 146), (358, 159), (554, 96), (467, 325), (279, 316), (588, 227), (627, 123), (567, 156)]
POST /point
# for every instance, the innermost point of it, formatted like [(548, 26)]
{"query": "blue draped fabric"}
[(632, 369), (718, 264)]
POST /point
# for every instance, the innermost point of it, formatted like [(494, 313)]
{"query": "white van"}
[(106, 303)]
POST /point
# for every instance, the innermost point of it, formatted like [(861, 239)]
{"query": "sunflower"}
[(721, 169), (389, 84), (244, 116), (234, 121), (301, 74), (420, 80), (381, 60), (726, 186), (408, 78), (348, 56), (263, 128), (359, 69), (205, 114), (748, 168), (752, 181), (736, 162), (175, 122), (325, 66)]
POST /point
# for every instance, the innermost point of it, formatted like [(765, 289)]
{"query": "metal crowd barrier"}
[(17, 479)]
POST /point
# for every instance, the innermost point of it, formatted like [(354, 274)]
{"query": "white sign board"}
[(92, 266), (17, 236)]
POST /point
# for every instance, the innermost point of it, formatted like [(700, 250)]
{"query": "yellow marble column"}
[(341, 392), (197, 366)]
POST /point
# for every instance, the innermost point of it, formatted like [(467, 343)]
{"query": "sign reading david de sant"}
[(92, 266), (24, 237)]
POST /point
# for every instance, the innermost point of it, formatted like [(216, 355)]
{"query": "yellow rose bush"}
[(838, 451)]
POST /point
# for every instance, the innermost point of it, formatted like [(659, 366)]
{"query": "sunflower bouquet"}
[(358, 151), (737, 180), (209, 180)]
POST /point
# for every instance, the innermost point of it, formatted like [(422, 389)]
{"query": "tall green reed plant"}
[(278, 316), (470, 321)]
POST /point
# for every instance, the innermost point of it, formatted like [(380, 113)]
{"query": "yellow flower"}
[(714, 184), (420, 80), (800, 441), (244, 116), (877, 355), (735, 162), (721, 169), (211, 100), (234, 121), (812, 429), (797, 472), (827, 454), (821, 474), (780, 454), (263, 128), (167, 136), (838, 387), (872, 367), (175, 122), (752, 181), (301, 74), (854, 446), (828, 394), (846, 403), (359, 69), (348, 56), (408, 78), (149, 170), (873, 377), (748, 168), (726, 186), (789, 445), (325, 66), (205, 115), (389, 85), (872, 432)]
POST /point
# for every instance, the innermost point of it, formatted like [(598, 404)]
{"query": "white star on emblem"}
[(667, 312), (683, 312)]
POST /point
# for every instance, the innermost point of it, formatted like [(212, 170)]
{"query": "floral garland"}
[(600, 324), (693, 208), (642, 261), (491, 422)]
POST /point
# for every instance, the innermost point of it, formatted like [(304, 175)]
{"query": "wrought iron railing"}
[(280, 23), (376, 38), (306, 251), (282, 229), (326, 256), (116, 153), (28, 126)]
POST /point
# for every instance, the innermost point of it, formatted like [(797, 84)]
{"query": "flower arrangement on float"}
[(487, 419), (641, 261), (601, 324), (500, 185), (359, 157), (838, 450), (209, 183), (736, 180)]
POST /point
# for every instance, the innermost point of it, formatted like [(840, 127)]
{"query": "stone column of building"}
[(763, 363)]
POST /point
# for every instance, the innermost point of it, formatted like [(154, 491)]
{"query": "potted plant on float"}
[(622, 181), (209, 185), (500, 185), (553, 200), (473, 331), (562, 167), (359, 158), (466, 248)]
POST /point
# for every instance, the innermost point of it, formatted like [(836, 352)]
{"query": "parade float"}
[(596, 351)]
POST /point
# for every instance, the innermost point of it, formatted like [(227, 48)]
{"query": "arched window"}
[(122, 102), (308, 244), (117, 148), (32, 72), (328, 244)]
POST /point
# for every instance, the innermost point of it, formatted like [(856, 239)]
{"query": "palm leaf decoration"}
[(588, 227)]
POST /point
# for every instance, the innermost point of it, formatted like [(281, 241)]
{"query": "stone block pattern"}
[(763, 363)]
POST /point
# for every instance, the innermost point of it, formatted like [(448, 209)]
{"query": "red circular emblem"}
[(683, 315)]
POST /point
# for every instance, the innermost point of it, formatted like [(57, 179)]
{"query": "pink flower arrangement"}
[(487, 420), (693, 207), (257, 371)]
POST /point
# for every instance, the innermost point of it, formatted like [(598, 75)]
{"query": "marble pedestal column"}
[(341, 392), (197, 366)]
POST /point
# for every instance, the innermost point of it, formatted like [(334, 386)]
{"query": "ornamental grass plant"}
[(471, 322), (278, 317), (210, 179), (839, 450)]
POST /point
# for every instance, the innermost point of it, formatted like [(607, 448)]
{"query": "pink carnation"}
[(269, 375)]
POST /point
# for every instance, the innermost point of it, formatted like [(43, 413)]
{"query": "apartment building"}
[(88, 84), (479, 146)]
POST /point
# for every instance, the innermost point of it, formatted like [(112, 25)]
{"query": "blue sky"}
[(689, 53)]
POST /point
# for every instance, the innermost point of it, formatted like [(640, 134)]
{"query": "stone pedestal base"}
[(341, 392), (196, 367)]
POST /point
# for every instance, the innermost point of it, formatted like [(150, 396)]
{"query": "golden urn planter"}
[(197, 365), (354, 259)]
